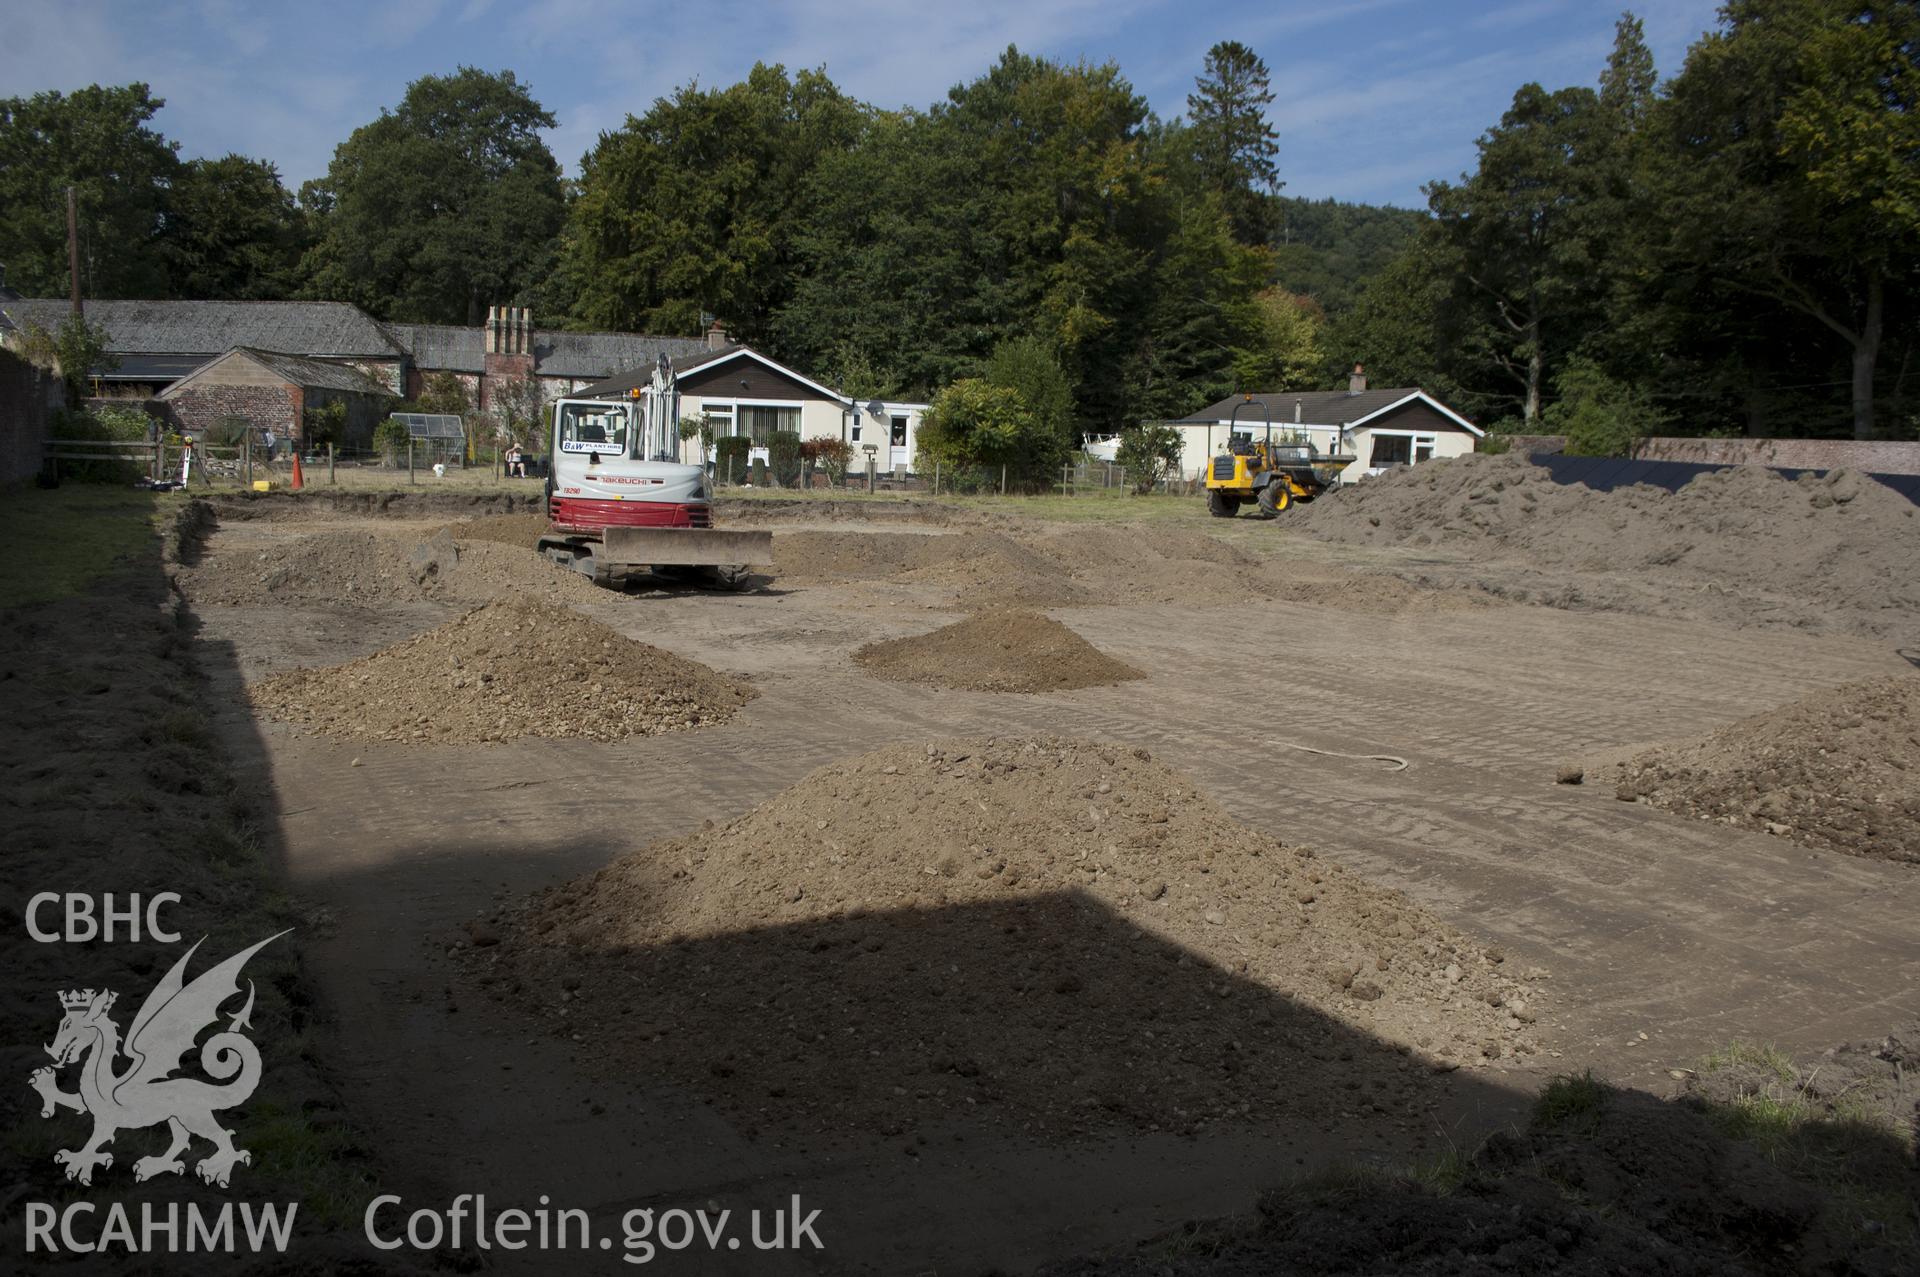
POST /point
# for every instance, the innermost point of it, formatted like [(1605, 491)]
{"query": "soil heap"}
[(516, 667), (996, 651), (1839, 541), (1838, 770), (981, 568), (357, 567), (1046, 933)]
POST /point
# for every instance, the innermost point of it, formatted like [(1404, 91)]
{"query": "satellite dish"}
[(875, 408)]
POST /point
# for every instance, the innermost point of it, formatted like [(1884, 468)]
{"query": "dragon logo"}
[(144, 1093)]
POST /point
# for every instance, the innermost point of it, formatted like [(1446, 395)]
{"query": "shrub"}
[(391, 438), (323, 425), (783, 455), (1148, 453), (831, 455), (730, 454), (974, 422), (102, 425), (1600, 417)]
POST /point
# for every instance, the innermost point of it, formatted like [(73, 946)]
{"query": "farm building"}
[(1381, 428), (274, 391)]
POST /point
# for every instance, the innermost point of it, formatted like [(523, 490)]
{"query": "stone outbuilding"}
[(274, 391)]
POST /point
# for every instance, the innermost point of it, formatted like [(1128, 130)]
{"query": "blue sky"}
[(1374, 97)]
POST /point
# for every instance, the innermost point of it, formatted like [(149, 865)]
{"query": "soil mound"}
[(998, 651), (1838, 770), (1840, 541), (516, 667), (1040, 932), (372, 568)]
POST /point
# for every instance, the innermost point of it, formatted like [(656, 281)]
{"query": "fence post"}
[(729, 469), (873, 473), (1003, 480), (246, 443), (410, 478), (331, 477), (936, 478)]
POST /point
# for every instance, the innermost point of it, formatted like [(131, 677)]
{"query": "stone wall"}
[(1876, 456), (276, 408), (29, 397)]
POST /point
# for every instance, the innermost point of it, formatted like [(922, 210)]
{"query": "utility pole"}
[(73, 255)]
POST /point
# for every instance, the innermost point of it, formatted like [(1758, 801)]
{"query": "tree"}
[(975, 423), (1029, 366), (74, 350), (232, 231), (690, 210), (441, 207), (1599, 416), (1233, 145), (1522, 231), (95, 140), (1149, 453), (1285, 352)]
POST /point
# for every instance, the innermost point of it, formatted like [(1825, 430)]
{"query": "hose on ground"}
[(1394, 761)]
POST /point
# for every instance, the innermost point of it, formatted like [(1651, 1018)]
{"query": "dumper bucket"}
[(685, 547)]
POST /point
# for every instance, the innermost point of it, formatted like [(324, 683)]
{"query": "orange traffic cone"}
[(298, 481)]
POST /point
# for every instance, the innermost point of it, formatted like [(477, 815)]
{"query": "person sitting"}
[(517, 463)]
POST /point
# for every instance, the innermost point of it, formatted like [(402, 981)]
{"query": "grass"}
[(63, 539), (1570, 1102), (1766, 1059)]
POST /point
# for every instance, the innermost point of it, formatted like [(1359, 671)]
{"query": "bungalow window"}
[(759, 424), (1392, 450)]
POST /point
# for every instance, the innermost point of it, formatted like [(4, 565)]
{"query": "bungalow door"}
[(899, 455)]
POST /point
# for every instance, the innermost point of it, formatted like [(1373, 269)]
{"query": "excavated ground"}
[(996, 651), (515, 667), (1837, 771), (918, 927)]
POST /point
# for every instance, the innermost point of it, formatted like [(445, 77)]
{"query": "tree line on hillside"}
[(1728, 252)]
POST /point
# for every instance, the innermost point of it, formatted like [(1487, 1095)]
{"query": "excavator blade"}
[(686, 547)]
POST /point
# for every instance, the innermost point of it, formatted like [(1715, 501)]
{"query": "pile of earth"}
[(1838, 542), (1598, 1181), (1838, 770), (1042, 933), (1055, 567), (362, 567), (521, 530), (996, 651), (515, 667)]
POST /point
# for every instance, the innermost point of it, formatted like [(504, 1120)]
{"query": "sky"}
[(1373, 98)]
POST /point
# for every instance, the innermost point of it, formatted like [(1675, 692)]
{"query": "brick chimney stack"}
[(717, 336), (509, 347), (1356, 380)]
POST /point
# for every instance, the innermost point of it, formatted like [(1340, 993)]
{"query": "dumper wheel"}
[(1274, 498), (1220, 505)]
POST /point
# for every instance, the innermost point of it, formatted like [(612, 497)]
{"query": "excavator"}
[(1268, 473), (619, 503)]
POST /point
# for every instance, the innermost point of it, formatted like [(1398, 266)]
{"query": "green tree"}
[(1599, 416), (1522, 231), (232, 231), (74, 350), (1840, 196), (974, 422), (97, 141), (690, 209), (1029, 366), (441, 207), (1234, 145), (1149, 453)]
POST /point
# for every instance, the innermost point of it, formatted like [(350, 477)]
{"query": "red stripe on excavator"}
[(579, 514)]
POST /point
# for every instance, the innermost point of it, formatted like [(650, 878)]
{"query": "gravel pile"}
[(996, 651), (515, 667), (1842, 542), (1045, 933), (1838, 770)]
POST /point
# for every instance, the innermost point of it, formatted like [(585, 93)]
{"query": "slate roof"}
[(311, 374), (213, 327), (446, 348), (1317, 407)]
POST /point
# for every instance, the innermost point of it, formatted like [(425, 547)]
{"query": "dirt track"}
[(1664, 936)]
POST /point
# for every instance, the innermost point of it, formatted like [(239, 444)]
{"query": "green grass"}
[(60, 540), (1570, 1102), (1766, 1059)]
